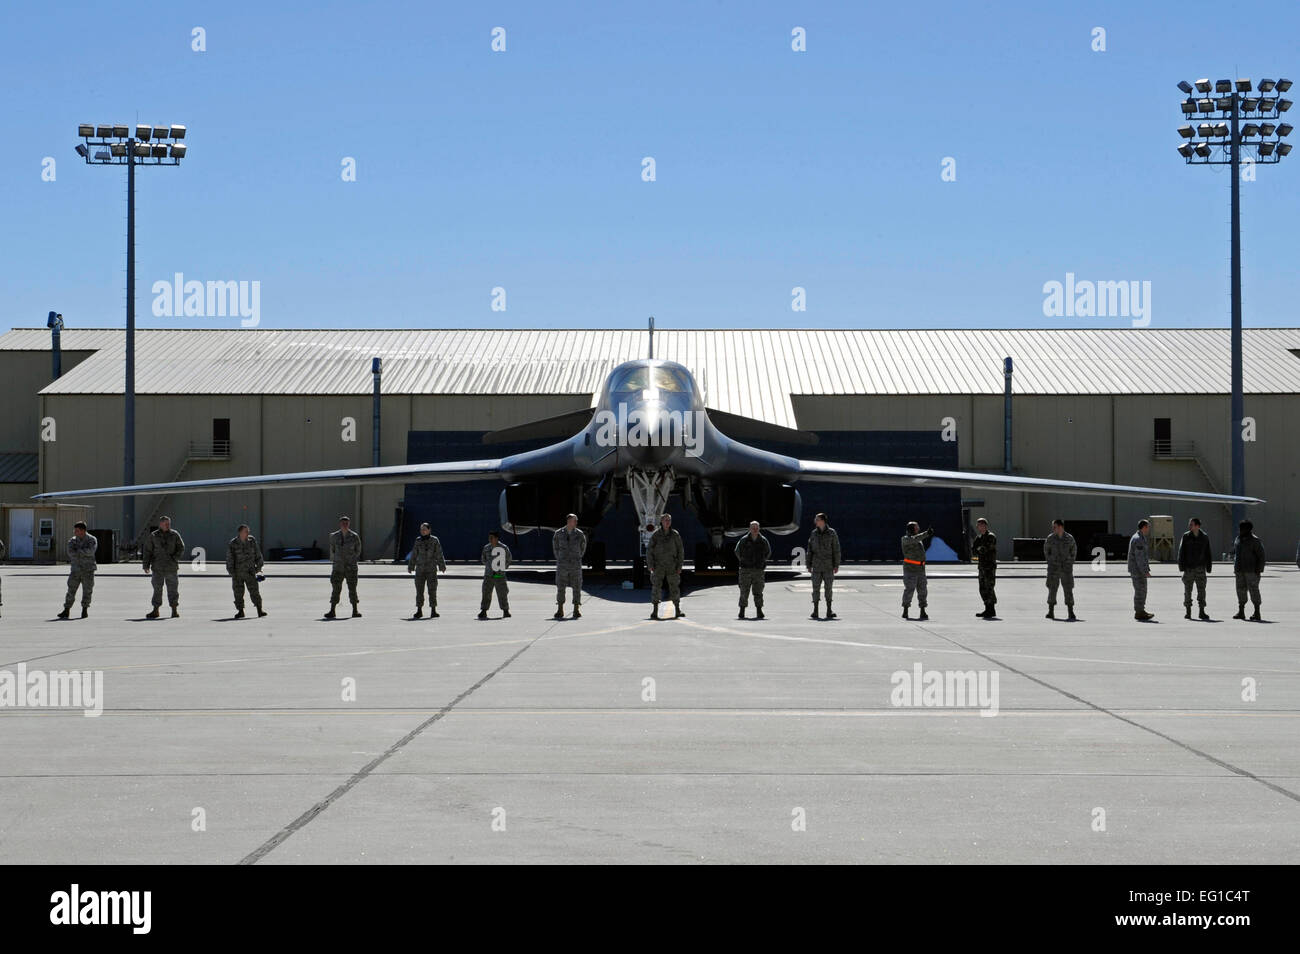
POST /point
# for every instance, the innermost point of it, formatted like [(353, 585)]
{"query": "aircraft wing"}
[(841, 473), (397, 474)]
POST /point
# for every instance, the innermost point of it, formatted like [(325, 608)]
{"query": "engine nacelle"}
[(731, 505), (543, 505)]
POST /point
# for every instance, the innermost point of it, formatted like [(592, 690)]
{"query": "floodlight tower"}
[(1220, 139), (111, 144)]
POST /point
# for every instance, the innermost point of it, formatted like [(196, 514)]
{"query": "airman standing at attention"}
[(569, 544), (426, 562), (1196, 560), (81, 569), (244, 563), (914, 543), (495, 557), (1060, 551), (345, 553), (1139, 570), (664, 557), (823, 563), (753, 550), (161, 559), (985, 549), (1247, 566)]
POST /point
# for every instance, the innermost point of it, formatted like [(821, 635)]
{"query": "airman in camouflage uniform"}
[(985, 550), (495, 557), (664, 556), (81, 569), (914, 543), (345, 553), (426, 562), (569, 544), (1139, 570), (3, 551), (823, 563), (244, 563), (1059, 549), (161, 558), (753, 550)]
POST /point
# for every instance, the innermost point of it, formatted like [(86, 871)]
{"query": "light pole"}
[(114, 145), (1218, 140)]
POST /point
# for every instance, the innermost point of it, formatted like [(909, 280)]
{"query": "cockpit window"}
[(641, 378)]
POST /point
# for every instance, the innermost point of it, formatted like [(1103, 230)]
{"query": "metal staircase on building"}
[(194, 451), (1186, 451)]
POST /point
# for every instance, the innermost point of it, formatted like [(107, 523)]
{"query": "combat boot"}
[(741, 614), (176, 613), (433, 610), (1255, 617), (85, 612), (152, 614), (577, 612), (924, 614), (1187, 613), (759, 613), (1203, 614), (678, 607), (817, 609), (482, 614), (419, 613), (505, 614), (1241, 611), (239, 612), (64, 614), (330, 614), (356, 613), (830, 613), (905, 609), (1051, 611), (1071, 617), (559, 612), (654, 612)]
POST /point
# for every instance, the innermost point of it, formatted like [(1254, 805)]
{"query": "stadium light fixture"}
[(1224, 140), (113, 145), (1185, 86)]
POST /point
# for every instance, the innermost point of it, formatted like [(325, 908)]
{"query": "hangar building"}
[(1133, 406)]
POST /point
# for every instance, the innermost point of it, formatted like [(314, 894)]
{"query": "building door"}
[(1164, 432), (21, 524), (221, 437)]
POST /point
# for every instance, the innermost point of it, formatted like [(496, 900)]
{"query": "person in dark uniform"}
[(1247, 567), (753, 550), (985, 550), (1196, 561)]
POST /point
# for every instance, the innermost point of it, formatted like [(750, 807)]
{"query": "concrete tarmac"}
[(614, 738)]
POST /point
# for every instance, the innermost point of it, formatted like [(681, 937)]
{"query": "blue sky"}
[(522, 169)]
